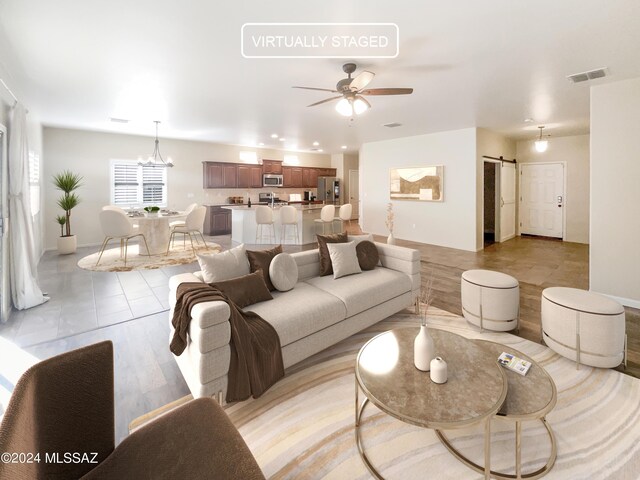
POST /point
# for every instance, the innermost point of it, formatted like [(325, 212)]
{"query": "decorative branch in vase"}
[(389, 223), (423, 347)]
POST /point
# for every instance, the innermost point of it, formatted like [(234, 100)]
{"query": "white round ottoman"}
[(583, 326), (490, 300)]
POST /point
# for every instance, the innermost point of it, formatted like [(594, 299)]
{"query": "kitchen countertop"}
[(276, 207)]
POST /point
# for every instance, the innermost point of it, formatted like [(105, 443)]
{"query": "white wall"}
[(574, 151), (451, 223), (493, 145), (614, 253), (89, 154)]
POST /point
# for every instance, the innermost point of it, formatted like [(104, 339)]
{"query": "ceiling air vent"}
[(392, 125), (590, 75)]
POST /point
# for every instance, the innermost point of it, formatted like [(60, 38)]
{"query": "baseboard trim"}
[(627, 302)]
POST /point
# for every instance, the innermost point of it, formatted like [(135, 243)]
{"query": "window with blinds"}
[(34, 182), (137, 186)]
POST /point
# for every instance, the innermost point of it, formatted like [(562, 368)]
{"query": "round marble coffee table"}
[(474, 392), (529, 398)]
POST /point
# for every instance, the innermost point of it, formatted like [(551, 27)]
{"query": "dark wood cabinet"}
[(212, 176), (296, 177), (230, 172), (272, 166), (218, 221), (309, 177), (249, 176), (286, 177)]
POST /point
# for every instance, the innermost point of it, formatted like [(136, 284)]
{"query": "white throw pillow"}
[(283, 272), (218, 267), (344, 259), (360, 238)]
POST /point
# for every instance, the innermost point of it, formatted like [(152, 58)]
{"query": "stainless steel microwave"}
[(270, 180)]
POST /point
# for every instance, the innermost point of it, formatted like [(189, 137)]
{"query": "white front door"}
[(354, 192), (507, 201), (542, 199)]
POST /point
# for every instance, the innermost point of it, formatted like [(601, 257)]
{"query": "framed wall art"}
[(424, 184)]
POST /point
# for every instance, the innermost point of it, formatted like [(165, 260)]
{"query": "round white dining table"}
[(156, 231)]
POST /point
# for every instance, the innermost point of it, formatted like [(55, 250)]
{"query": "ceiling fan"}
[(352, 91)]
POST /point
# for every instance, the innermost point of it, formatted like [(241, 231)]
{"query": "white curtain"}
[(25, 291)]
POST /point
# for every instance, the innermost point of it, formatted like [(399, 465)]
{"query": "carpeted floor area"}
[(303, 426)]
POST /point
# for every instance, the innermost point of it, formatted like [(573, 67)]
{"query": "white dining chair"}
[(193, 225), (288, 218), (187, 211), (116, 225), (114, 208), (327, 215), (344, 214), (264, 217)]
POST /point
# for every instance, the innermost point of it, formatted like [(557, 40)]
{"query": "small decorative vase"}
[(391, 240), (151, 214), (438, 370), (423, 349)]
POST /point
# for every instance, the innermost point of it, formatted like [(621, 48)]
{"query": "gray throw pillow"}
[(325, 259)]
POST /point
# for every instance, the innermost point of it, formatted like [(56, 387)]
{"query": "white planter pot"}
[(391, 240), (67, 245), (151, 214), (423, 349)]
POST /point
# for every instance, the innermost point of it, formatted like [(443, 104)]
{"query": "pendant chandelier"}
[(155, 159), (541, 144)]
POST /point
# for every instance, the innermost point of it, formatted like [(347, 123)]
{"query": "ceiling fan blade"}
[(324, 101), (387, 91), (362, 80), (319, 89)]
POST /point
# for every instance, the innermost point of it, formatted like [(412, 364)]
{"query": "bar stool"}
[(327, 215), (264, 216), (288, 217), (344, 214)]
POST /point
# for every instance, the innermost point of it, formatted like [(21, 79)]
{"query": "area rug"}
[(111, 260), (302, 428)]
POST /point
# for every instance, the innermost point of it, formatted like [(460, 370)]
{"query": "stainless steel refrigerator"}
[(329, 190)]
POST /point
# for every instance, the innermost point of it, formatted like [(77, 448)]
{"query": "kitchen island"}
[(243, 224)]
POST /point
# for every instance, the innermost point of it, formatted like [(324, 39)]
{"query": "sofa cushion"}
[(300, 312), (261, 260), (344, 259), (369, 289), (325, 259), (225, 265), (245, 290), (283, 272), (367, 253)]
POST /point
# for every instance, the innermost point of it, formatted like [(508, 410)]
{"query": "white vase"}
[(391, 240), (423, 349), (67, 245), (438, 370), (151, 214)]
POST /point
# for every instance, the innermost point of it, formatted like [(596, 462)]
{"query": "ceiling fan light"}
[(541, 146), (360, 106), (344, 107)]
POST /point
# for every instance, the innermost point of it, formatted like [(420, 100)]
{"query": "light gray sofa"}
[(317, 313)]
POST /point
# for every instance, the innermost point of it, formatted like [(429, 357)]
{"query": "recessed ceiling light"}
[(528, 120), (344, 147), (282, 139), (320, 150), (315, 144), (274, 135), (119, 120)]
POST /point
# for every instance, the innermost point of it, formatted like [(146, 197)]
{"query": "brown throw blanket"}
[(256, 356)]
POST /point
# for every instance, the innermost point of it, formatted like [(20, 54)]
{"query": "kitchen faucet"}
[(273, 197)]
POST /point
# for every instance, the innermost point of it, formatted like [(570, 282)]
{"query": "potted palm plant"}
[(67, 182)]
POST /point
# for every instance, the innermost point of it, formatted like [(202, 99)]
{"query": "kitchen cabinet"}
[(218, 221), (272, 166), (292, 177), (219, 175), (249, 176), (309, 177)]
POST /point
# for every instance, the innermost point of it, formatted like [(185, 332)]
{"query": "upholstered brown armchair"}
[(63, 407)]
